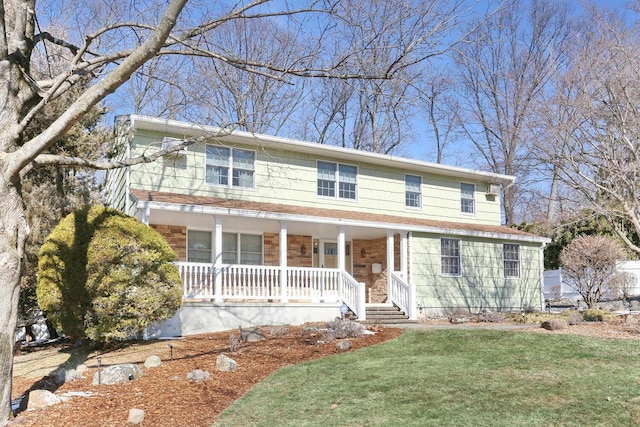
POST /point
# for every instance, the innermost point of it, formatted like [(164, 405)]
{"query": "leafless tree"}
[(223, 93), (373, 115), (104, 47), (440, 110), (589, 265), (504, 65), (602, 160)]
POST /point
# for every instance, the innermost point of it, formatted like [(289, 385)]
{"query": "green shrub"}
[(593, 315), (106, 276)]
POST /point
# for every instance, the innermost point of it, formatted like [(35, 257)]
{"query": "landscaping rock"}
[(252, 335), (554, 324), (152, 362), (226, 364), (198, 375), (136, 416), (344, 345), (117, 374), (41, 399)]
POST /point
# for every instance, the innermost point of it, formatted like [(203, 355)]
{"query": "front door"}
[(327, 256)]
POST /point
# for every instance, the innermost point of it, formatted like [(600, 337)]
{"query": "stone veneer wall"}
[(369, 252), (176, 236), (297, 256)]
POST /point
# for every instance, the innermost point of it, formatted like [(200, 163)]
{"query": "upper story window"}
[(511, 259), (198, 246), (337, 178), (467, 198), (450, 257), (224, 163), (413, 191), (241, 248)]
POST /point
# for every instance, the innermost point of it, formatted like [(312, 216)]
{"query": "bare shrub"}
[(574, 318), (621, 285), (589, 265), (234, 343), (278, 330), (344, 328), (458, 315), (491, 317), (556, 291)]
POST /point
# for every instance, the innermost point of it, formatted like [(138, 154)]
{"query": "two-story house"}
[(271, 230)]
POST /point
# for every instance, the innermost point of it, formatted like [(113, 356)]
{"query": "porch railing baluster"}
[(258, 282)]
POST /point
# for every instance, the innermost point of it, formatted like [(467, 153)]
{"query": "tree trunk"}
[(552, 210), (13, 234)]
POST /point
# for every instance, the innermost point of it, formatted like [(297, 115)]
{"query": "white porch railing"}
[(255, 282), (353, 295), (403, 295)]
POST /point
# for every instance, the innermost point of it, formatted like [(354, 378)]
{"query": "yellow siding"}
[(290, 178), (482, 284)]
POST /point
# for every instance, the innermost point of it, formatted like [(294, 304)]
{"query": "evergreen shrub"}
[(106, 276)]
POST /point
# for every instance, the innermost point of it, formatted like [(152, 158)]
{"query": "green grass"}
[(455, 378)]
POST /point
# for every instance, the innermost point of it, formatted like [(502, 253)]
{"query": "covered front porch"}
[(244, 283), (301, 259)]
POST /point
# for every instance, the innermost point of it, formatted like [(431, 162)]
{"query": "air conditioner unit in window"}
[(170, 142), (493, 190)]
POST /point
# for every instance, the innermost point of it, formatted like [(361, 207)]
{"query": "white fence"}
[(556, 288)]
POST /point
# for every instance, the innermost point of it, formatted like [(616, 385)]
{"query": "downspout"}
[(542, 299), (146, 213), (127, 177)]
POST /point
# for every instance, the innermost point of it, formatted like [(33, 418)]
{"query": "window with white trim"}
[(467, 198), (223, 163), (240, 248), (450, 257), (337, 178), (198, 246), (511, 259), (413, 191)]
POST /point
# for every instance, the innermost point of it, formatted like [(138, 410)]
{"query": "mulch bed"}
[(165, 394)]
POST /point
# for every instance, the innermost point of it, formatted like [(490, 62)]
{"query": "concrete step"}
[(386, 314)]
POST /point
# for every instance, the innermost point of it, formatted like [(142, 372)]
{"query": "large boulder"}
[(554, 324), (226, 364), (136, 416), (343, 345), (117, 374), (252, 335), (152, 362), (198, 375), (42, 399)]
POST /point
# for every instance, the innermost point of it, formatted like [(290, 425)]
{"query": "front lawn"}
[(455, 378)]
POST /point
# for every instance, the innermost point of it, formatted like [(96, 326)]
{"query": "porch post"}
[(283, 262), (341, 252), (217, 260), (390, 266), (403, 256)]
